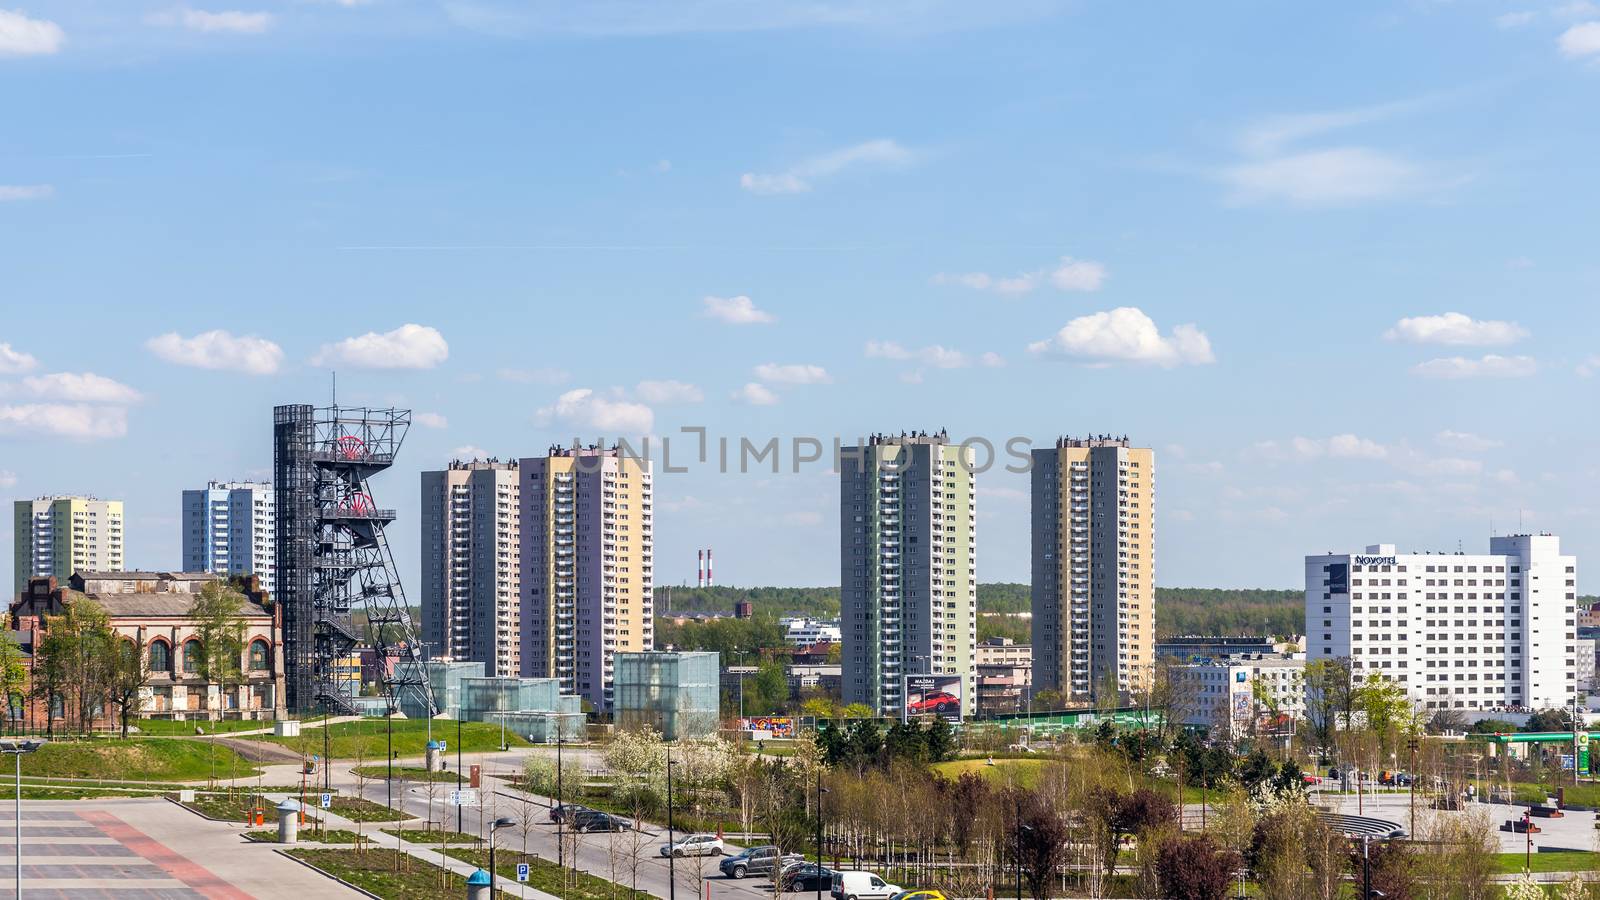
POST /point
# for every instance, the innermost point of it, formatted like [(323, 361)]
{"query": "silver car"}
[(694, 845)]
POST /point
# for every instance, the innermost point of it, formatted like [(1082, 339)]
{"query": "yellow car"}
[(928, 894)]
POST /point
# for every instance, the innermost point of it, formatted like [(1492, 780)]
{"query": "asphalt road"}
[(609, 856)]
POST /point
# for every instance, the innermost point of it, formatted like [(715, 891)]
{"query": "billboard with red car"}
[(933, 695)]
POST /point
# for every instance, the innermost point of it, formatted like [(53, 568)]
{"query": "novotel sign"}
[(1374, 560)]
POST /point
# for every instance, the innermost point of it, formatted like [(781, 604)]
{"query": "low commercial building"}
[(804, 631), (1005, 676), (151, 610), (1196, 647), (673, 693), (1239, 695), (826, 677)]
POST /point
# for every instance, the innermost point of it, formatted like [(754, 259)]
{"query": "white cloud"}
[(1514, 19), (1455, 329), (1490, 366), (1577, 9), (793, 373), (583, 408), (77, 421), (1339, 446), (992, 360), (9, 192), (1126, 334), (22, 36), (74, 387), (740, 310), (935, 355), (430, 420), (663, 165), (755, 394), (1332, 177), (469, 451), (1068, 275), (798, 179), (1465, 441), (219, 350), (1588, 367), (408, 347), (222, 21), (14, 361), (535, 376), (7, 479), (668, 392), (1580, 40)]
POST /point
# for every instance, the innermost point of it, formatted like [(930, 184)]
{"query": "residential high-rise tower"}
[(471, 561), (587, 566), (1093, 567), (228, 530), (908, 567), (62, 535)]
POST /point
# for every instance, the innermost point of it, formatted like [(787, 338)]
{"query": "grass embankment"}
[(151, 759), (1026, 772), (406, 773), (369, 739), (174, 728), (358, 810), (234, 808), (545, 875), (1556, 861), (377, 872)]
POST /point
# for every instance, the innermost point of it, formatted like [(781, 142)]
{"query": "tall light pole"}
[(820, 791), (560, 809), (498, 824), (16, 749), (672, 870)]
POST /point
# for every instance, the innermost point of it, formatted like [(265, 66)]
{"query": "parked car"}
[(920, 894), (857, 885), (594, 820), (936, 702), (563, 812), (756, 861), (806, 876), (694, 845)]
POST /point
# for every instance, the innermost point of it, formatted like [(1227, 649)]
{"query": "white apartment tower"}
[(62, 535), (229, 529), (1459, 631), (471, 560), (908, 559)]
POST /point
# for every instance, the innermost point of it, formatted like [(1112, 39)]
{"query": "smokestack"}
[(710, 580), (700, 570)]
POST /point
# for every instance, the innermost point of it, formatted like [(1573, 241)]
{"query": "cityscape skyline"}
[(1322, 301)]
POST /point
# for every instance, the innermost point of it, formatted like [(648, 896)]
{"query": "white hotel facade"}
[(1459, 631)]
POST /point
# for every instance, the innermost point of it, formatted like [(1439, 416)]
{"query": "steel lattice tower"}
[(333, 556)]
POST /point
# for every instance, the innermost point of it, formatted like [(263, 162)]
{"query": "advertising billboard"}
[(766, 728), (933, 695)]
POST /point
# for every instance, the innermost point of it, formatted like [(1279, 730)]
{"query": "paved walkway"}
[(147, 848)]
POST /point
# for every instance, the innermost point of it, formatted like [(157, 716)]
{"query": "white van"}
[(859, 885)]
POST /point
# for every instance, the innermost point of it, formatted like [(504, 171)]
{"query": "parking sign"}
[(522, 871), (327, 801)]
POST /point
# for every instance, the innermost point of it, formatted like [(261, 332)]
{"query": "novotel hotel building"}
[(1460, 631)]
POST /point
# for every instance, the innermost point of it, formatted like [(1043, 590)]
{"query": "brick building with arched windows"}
[(152, 609)]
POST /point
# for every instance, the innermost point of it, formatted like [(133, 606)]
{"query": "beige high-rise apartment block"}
[(587, 566), (62, 535), (1093, 567)]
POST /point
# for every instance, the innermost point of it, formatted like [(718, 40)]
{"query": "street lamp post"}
[(1018, 850), (388, 783), (820, 791), (16, 749), (458, 772), (561, 811), (672, 870), (498, 824)]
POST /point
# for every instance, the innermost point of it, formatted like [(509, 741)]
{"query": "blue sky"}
[(1335, 262)]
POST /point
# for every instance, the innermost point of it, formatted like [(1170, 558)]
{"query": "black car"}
[(756, 861), (563, 812), (594, 820), (806, 876)]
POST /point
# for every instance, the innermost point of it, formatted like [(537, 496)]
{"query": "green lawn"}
[(369, 739), (358, 810), (174, 728), (1024, 771), (232, 809), (375, 871), (309, 836), (1563, 861), (151, 759), (545, 875), (433, 838)]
